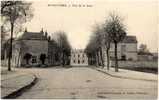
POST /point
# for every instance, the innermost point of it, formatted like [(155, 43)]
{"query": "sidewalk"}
[(129, 74), (15, 82)]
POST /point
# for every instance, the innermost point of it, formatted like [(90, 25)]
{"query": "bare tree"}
[(116, 30), (91, 51), (64, 47), (15, 12), (99, 38), (94, 48)]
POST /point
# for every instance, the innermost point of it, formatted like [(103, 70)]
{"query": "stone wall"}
[(144, 64)]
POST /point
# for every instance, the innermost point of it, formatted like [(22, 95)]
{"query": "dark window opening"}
[(83, 61), (34, 59), (123, 57), (78, 61)]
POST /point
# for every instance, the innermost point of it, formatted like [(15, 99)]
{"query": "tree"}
[(64, 47), (90, 50), (107, 41), (95, 45), (42, 58), (99, 39), (15, 13), (27, 57), (143, 48), (116, 30)]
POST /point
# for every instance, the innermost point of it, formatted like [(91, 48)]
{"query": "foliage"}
[(63, 46), (112, 31), (14, 13), (116, 30)]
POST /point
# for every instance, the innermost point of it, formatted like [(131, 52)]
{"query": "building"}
[(29, 48), (78, 58), (127, 49), (147, 56)]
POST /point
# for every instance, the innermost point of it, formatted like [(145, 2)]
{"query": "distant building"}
[(155, 56), (78, 58), (127, 49), (147, 56)]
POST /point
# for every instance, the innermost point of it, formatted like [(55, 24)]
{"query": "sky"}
[(140, 18)]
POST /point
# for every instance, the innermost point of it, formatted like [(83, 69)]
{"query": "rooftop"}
[(130, 39), (33, 36)]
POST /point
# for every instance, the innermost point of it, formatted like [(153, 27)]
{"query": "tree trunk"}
[(107, 51), (63, 59), (101, 57), (116, 57), (10, 49), (97, 63)]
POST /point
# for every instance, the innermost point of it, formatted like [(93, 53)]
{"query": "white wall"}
[(82, 57)]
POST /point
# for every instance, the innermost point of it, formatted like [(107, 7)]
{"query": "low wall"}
[(144, 64)]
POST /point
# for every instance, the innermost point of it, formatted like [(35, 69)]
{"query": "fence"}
[(131, 64)]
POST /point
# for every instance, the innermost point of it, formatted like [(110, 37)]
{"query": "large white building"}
[(78, 58)]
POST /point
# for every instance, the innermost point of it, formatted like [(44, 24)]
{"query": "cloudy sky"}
[(140, 19)]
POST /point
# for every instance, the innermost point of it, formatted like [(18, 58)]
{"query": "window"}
[(33, 59), (74, 61), (78, 61), (123, 57), (83, 61), (123, 48)]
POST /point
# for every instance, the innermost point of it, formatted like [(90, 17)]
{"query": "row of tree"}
[(111, 31), (63, 48)]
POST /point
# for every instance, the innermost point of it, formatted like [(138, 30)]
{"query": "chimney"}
[(42, 31), (46, 34), (25, 30), (49, 38)]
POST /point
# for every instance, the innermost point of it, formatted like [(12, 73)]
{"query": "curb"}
[(18, 92), (124, 76)]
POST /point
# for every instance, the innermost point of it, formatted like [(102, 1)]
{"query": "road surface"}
[(86, 83)]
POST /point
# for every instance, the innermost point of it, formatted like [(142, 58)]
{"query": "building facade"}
[(126, 50), (35, 45), (78, 58)]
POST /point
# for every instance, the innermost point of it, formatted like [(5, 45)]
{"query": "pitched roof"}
[(129, 39), (33, 36)]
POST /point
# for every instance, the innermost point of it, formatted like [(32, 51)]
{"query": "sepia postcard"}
[(79, 49)]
